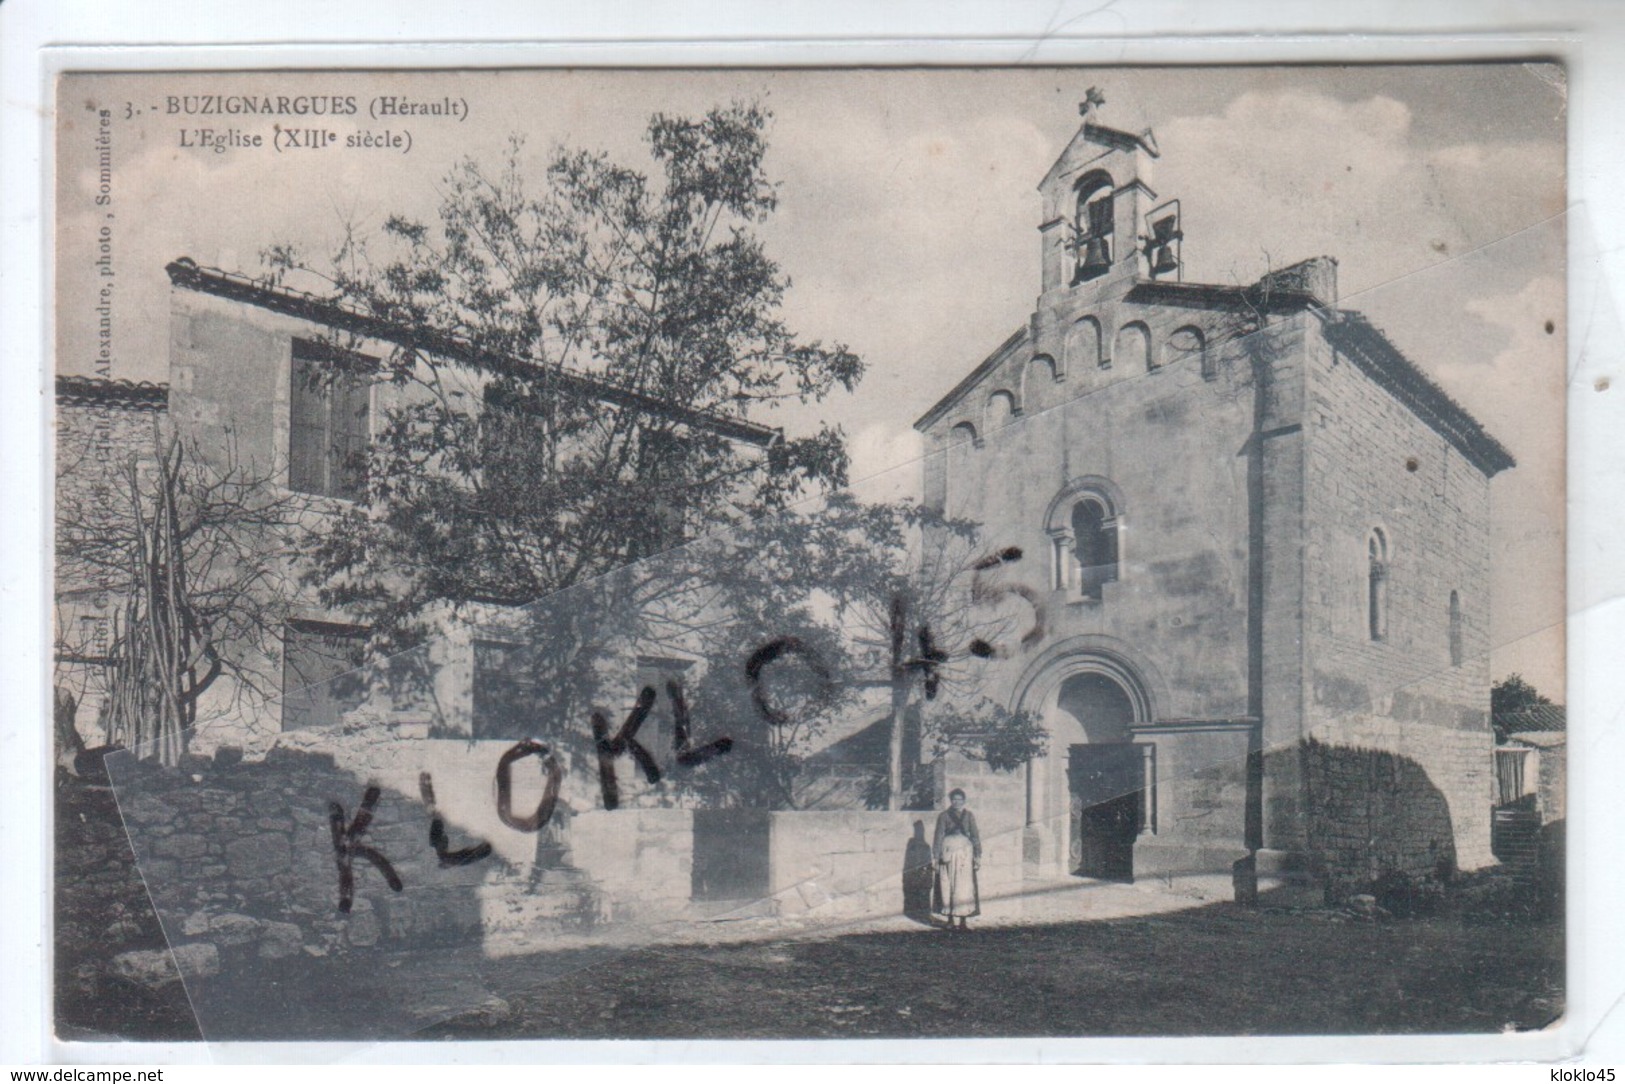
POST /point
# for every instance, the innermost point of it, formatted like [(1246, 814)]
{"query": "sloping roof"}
[(120, 394), (186, 273), (1105, 136), (1382, 361), (1367, 346), (1539, 739), (1535, 719), (972, 378)]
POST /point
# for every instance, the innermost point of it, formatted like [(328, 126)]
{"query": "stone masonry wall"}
[(1376, 813), (239, 855), (642, 859), (1373, 464), (1169, 440), (102, 914)]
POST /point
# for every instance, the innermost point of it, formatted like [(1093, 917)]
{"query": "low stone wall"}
[(240, 855), (839, 865), (641, 859)]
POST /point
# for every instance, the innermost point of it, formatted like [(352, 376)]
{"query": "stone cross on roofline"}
[(1093, 99)]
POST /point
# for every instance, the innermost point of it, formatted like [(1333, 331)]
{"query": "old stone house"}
[(1259, 535), (239, 368)]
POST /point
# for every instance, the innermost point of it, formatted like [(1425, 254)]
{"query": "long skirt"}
[(957, 893)]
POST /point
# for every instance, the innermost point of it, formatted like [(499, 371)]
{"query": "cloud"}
[(1282, 175), (1520, 397), (885, 461)]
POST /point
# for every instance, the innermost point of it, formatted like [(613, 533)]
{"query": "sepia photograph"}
[(824, 553)]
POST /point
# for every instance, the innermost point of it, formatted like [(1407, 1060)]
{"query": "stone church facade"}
[(1259, 538)]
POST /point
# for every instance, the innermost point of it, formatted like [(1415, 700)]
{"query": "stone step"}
[(723, 910)]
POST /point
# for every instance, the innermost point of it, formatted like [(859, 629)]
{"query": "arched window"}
[(1133, 348), (1083, 346), (1456, 651), (1094, 545), (1184, 344), (1085, 525), (1093, 227), (1377, 585)]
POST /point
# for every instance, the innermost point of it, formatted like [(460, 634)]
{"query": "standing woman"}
[(958, 854)]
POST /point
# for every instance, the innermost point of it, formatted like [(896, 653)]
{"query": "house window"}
[(1377, 586), (1456, 652), (515, 454), (1094, 541), (659, 520), (505, 691), (329, 421), (322, 677)]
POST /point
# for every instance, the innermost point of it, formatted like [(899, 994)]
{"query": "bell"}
[(1096, 261), (1159, 246)]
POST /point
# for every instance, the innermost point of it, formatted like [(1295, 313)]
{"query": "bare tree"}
[(194, 549), (929, 622)]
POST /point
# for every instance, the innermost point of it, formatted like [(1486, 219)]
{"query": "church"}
[(1257, 538)]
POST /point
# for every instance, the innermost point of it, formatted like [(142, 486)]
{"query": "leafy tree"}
[(1515, 705), (627, 528), (822, 610), (930, 618), (524, 481)]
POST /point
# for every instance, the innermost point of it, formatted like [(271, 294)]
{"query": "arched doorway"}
[(1105, 775)]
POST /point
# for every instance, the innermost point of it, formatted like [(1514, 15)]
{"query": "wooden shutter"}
[(307, 429), (329, 420), (351, 433)]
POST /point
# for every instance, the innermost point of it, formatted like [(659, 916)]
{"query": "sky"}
[(907, 222)]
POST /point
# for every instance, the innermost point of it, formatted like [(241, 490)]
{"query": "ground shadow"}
[(1219, 969), (917, 876), (242, 863)]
